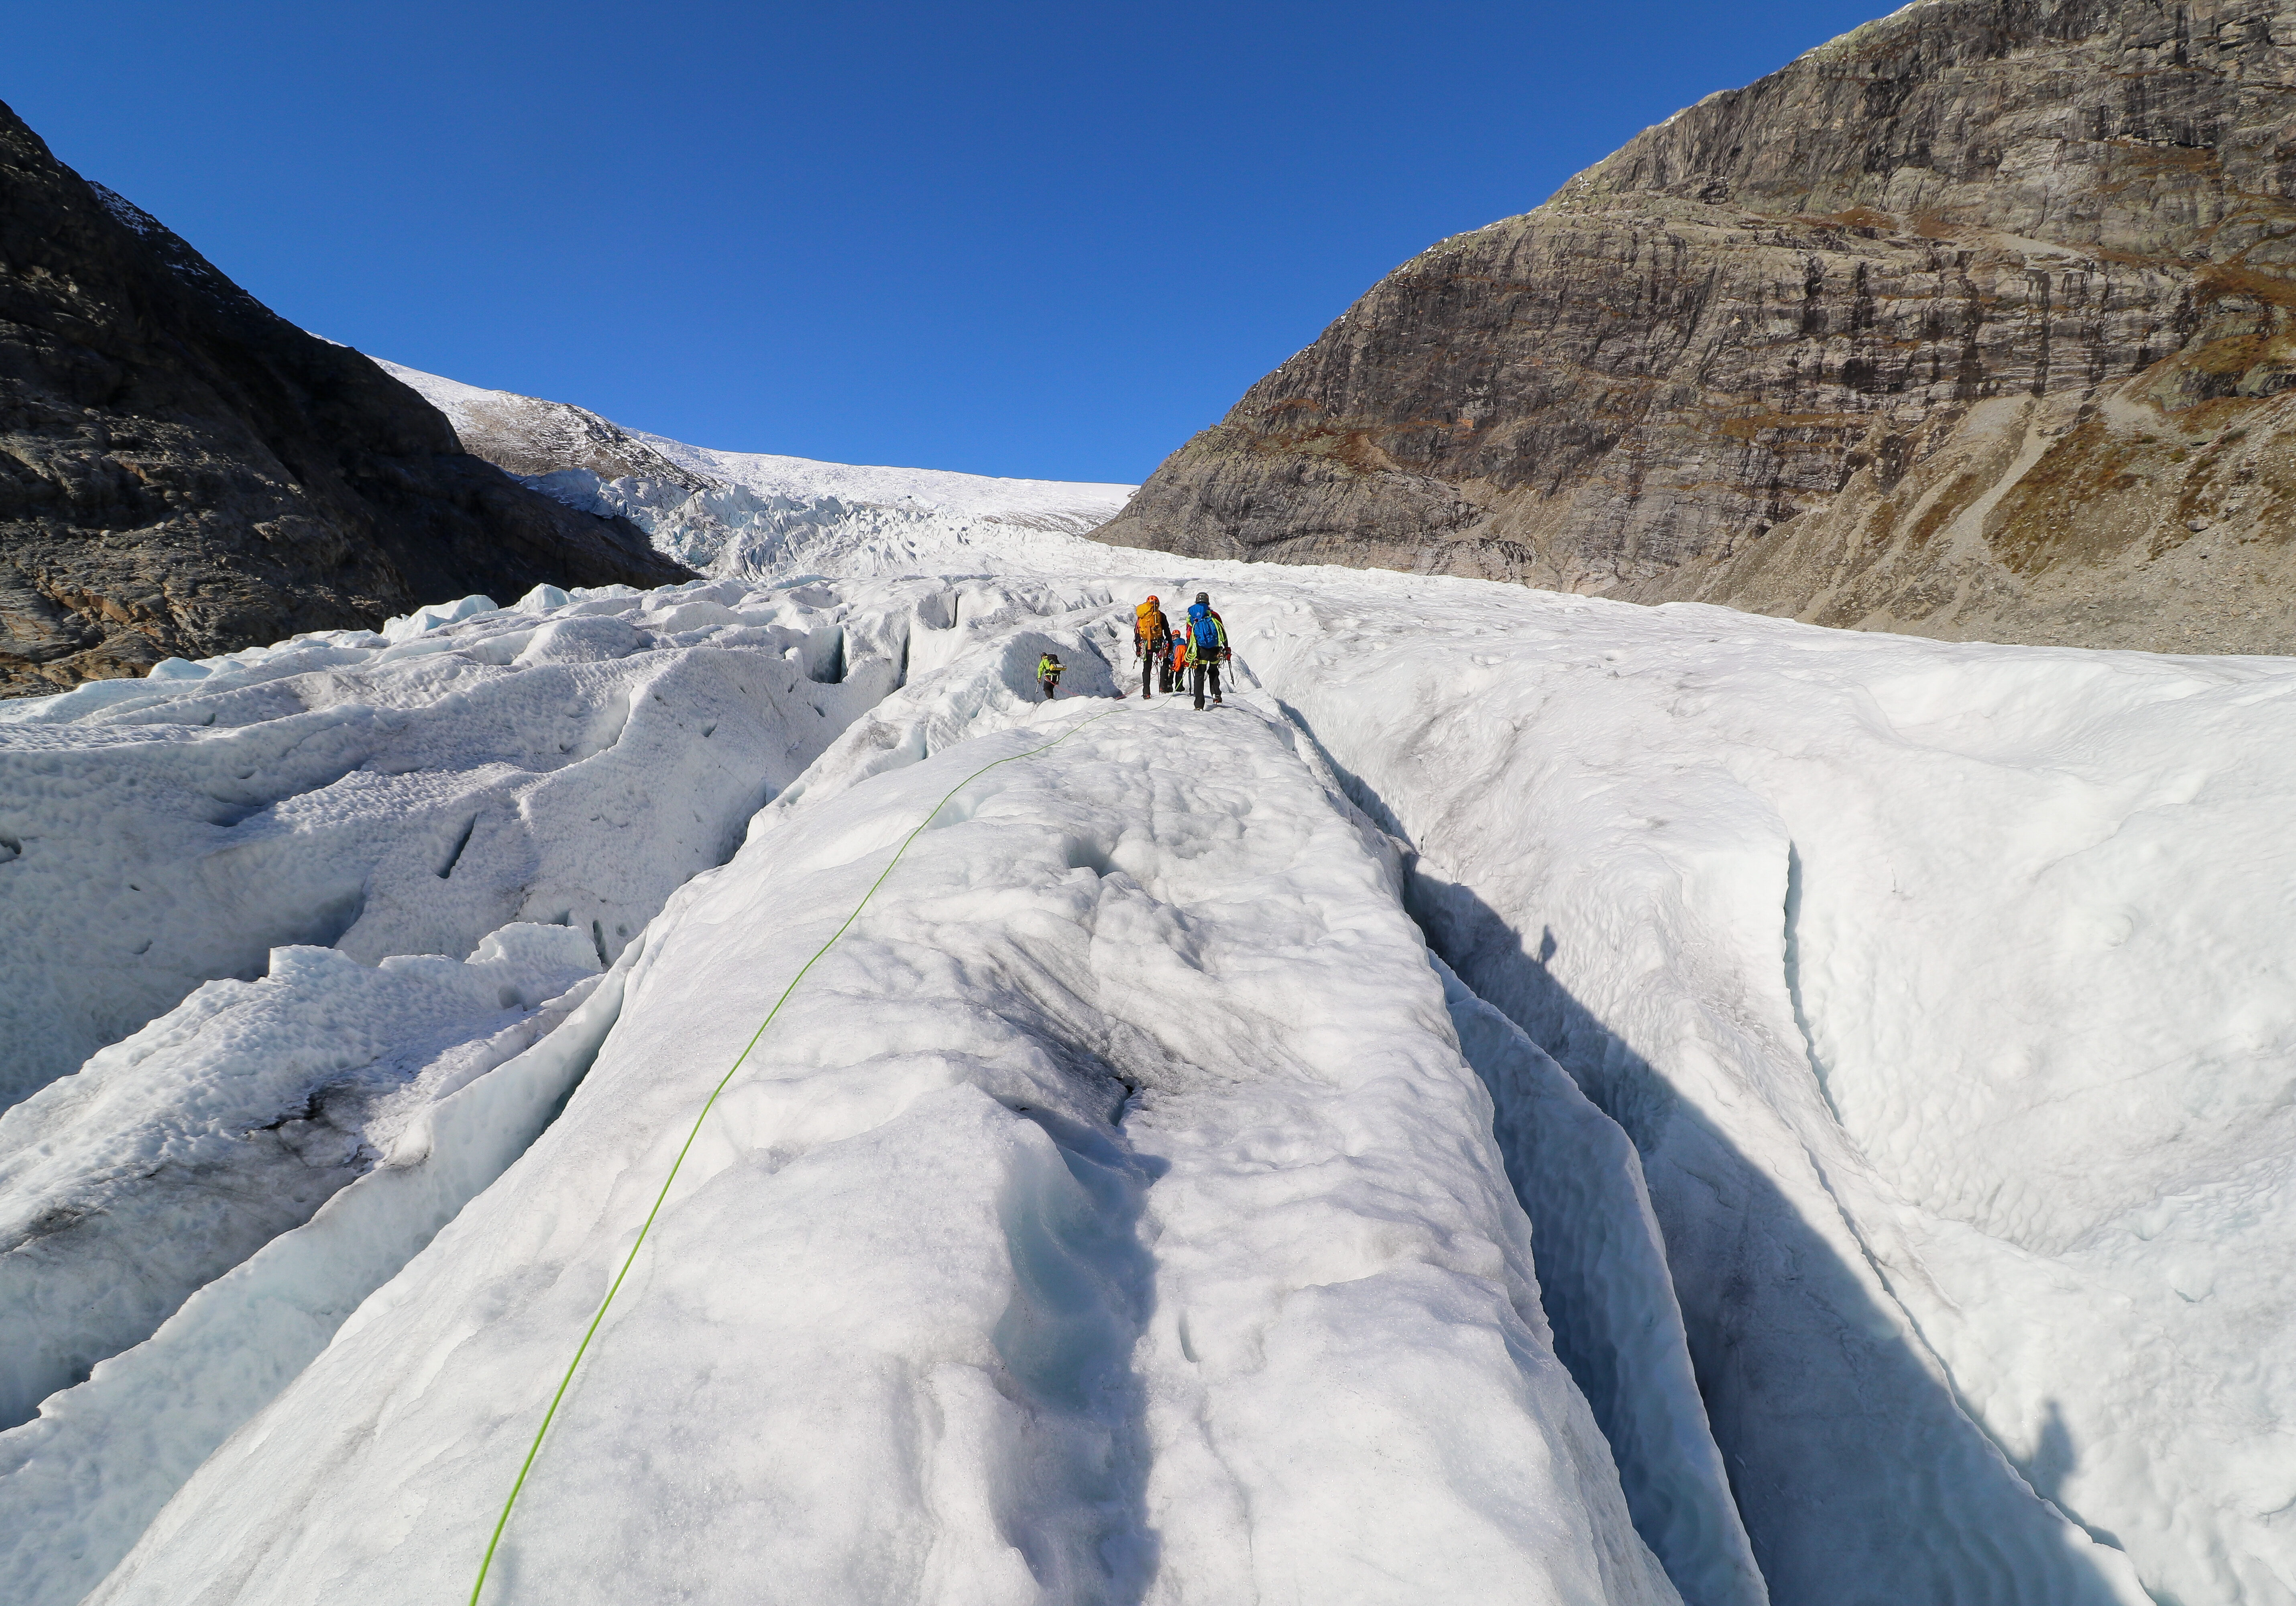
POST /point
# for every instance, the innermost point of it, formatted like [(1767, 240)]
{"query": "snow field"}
[(1097, 1210), (86, 1476), (1620, 814)]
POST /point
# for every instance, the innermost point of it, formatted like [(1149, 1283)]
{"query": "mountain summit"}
[(1972, 321), (183, 472)]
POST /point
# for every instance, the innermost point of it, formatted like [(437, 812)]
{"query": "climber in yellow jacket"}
[(1150, 636)]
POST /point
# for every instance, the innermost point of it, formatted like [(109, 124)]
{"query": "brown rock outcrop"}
[(182, 471), (528, 435), (1975, 322)]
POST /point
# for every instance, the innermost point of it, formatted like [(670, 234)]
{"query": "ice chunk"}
[(407, 626)]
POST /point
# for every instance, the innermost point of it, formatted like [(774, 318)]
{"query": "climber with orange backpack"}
[(1172, 675), (1150, 635)]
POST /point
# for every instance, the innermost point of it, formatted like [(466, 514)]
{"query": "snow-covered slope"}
[(1028, 504), (528, 435), (1852, 1139), (748, 513)]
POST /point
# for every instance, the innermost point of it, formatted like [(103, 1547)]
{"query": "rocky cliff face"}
[(184, 473), (1975, 322)]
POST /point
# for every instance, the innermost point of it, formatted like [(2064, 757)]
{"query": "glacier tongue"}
[(735, 514), (1938, 988), (1111, 1215)]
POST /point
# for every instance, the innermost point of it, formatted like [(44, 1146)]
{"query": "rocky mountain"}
[(184, 473), (1974, 323)]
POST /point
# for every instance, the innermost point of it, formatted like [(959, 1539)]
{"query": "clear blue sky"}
[(1012, 238)]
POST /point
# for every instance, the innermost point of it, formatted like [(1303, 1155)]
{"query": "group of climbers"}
[(1197, 648), (1174, 661)]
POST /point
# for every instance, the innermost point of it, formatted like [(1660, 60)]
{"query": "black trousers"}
[(1148, 663), (1197, 679)]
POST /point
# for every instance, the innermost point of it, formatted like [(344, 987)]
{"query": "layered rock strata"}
[(184, 473), (1974, 322)]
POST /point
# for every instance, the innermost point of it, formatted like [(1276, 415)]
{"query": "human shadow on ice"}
[(2053, 1462)]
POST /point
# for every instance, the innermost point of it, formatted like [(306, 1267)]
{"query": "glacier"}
[(1536, 1098), (748, 514)]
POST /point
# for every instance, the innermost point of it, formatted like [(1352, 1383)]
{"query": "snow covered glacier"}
[(722, 512), (1535, 1099)]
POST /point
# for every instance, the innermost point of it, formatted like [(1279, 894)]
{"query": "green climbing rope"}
[(581, 1349)]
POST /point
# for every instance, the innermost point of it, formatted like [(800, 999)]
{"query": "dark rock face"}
[(182, 471), (1975, 321)]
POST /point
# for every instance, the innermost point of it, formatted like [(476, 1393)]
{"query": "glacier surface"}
[(1534, 1099)]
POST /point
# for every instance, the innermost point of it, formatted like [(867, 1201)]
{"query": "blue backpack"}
[(1202, 629)]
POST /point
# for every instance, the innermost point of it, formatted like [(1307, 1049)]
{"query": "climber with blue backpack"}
[(1207, 646)]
